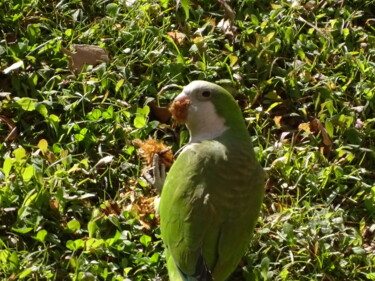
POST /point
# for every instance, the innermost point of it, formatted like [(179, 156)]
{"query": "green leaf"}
[(41, 235), (273, 106), (33, 32), (92, 227), (155, 258), (112, 9), (140, 119), (23, 230), (26, 272), (254, 20), (144, 111), (358, 251), (79, 137), (95, 114), (75, 245), (28, 173), (329, 128), (68, 32), (288, 229), (119, 84), (74, 225), (284, 274), (111, 241), (94, 243), (185, 4), (269, 36), (301, 54), (19, 154), (145, 240), (13, 261), (43, 145), (30, 198), (109, 113), (7, 166), (42, 109), (265, 263), (289, 33), (26, 104), (164, 3), (345, 32)]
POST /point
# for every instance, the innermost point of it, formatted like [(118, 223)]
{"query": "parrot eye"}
[(206, 94)]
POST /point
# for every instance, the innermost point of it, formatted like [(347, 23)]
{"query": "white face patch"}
[(203, 122)]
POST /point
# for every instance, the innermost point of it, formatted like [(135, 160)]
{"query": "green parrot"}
[(214, 190)]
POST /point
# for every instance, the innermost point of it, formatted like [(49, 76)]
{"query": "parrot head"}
[(207, 109)]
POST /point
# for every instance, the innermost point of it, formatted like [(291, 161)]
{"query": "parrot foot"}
[(156, 174)]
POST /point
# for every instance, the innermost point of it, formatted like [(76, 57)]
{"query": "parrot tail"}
[(202, 272)]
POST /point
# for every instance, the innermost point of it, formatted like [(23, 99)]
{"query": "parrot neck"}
[(208, 128), (206, 133)]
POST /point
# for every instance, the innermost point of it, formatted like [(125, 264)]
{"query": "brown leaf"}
[(144, 207), (12, 128), (178, 37), (160, 113), (111, 208), (304, 127), (179, 110), (277, 120), (51, 157), (54, 205), (85, 54), (151, 147), (229, 13), (317, 126)]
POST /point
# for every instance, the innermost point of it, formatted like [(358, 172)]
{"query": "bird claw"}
[(156, 174)]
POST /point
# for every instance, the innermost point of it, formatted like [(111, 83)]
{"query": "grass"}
[(73, 202)]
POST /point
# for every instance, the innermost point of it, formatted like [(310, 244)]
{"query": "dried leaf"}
[(229, 13), (317, 126), (111, 208), (12, 128), (277, 120), (178, 37), (179, 110), (283, 137), (5, 94), (14, 66), (304, 127), (359, 124), (54, 205), (151, 147), (144, 207), (162, 114), (51, 157), (225, 26), (85, 54), (105, 160)]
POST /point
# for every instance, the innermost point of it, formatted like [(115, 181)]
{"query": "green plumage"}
[(211, 199)]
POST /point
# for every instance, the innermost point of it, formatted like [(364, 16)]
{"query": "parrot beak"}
[(179, 108)]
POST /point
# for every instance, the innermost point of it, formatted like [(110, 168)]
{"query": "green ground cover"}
[(73, 202)]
